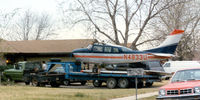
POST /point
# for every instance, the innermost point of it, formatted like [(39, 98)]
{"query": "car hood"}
[(181, 85)]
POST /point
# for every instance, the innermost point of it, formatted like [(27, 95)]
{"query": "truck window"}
[(97, 49), (18, 67), (167, 65)]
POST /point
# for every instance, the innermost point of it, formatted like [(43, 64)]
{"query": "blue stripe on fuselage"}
[(166, 49)]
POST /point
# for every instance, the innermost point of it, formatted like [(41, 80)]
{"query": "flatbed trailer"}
[(73, 73)]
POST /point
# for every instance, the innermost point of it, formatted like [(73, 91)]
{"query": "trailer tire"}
[(54, 84), (140, 84), (83, 82), (123, 82), (148, 84), (111, 83), (97, 83), (66, 82)]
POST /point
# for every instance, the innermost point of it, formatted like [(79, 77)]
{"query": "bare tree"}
[(33, 26), (116, 20), (6, 20), (182, 16)]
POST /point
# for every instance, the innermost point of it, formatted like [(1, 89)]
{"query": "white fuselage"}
[(105, 58)]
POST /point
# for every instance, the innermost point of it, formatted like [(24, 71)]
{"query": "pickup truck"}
[(184, 85), (18, 72)]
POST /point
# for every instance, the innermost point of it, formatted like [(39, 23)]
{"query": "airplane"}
[(101, 53)]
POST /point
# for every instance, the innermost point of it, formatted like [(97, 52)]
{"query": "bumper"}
[(180, 97)]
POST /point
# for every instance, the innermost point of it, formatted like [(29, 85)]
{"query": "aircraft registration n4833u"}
[(101, 53)]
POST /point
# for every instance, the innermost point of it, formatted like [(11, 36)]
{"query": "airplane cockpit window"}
[(89, 47), (97, 49), (126, 49), (107, 49), (115, 50)]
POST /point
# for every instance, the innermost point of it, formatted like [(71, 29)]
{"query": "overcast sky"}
[(49, 6)]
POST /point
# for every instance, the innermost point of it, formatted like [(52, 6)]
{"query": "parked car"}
[(184, 85)]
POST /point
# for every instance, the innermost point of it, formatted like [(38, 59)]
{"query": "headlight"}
[(197, 90), (162, 92)]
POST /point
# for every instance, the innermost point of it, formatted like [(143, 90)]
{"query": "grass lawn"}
[(47, 93)]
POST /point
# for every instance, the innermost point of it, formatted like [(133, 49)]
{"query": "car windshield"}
[(186, 75)]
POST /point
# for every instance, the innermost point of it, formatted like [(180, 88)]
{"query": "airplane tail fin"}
[(170, 43)]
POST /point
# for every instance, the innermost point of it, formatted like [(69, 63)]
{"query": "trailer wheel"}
[(140, 84), (54, 84), (83, 82), (148, 84), (111, 83), (66, 82), (97, 83), (123, 83)]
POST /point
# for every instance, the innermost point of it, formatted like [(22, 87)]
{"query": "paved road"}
[(140, 96)]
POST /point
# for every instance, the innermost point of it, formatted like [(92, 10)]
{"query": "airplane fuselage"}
[(113, 56)]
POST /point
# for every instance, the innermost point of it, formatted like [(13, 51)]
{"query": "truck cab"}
[(19, 70), (16, 73)]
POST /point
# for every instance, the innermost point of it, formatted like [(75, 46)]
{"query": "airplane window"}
[(89, 47), (107, 49), (115, 50), (97, 49), (126, 49)]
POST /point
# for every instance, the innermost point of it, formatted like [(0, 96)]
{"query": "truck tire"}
[(123, 82), (111, 83), (83, 82), (34, 82), (54, 84), (27, 83), (97, 83), (8, 79), (66, 82), (148, 84)]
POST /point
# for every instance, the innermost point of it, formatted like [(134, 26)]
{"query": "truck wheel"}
[(27, 83), (9, 79), (97, 83), (111, 83), (123, 83), (83, 82), (34, 82), (148, 84), (54, 84), (66, 82)]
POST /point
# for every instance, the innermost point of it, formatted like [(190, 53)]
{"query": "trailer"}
[(73, 73)]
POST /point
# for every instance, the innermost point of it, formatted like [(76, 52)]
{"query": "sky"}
[(49, 6)]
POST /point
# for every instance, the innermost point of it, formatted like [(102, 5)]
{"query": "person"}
[(44, 66)]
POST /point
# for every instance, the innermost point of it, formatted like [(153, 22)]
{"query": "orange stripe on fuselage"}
[(112, 57), (158, 57)]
